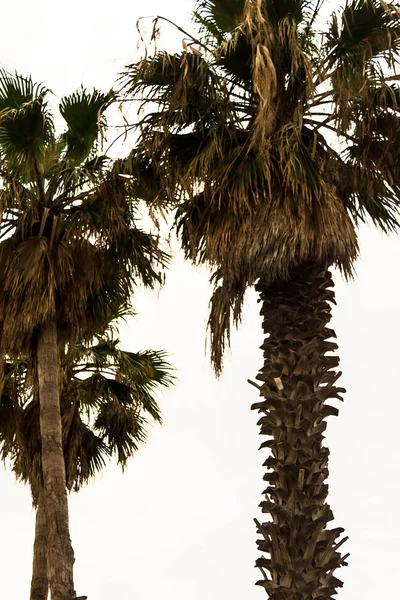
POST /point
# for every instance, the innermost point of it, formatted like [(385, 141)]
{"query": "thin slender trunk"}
[(298, 378), (40, 579), (60, 555)]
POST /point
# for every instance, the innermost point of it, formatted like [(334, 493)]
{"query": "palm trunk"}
[(60, 555), (297, 379), (40, 579)]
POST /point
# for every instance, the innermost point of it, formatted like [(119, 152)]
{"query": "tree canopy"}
[(274, 138)]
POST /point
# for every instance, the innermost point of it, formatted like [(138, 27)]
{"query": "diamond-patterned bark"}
[(298, 378)]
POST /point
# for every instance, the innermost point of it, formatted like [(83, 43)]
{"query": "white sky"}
[(178, 524)]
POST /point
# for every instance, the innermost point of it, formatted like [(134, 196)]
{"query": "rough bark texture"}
[(60, 555), (40, 580), (298, 377)]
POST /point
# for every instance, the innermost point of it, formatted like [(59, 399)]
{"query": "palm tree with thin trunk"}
[(107, 395), (274, 140), (67, 229)]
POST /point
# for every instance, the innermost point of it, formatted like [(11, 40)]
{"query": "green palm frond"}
[(16, 90), (117, 389), (135, 376), (365, 29), (101, 352), (8, 423), (112, 302), (85, 452), (26, 125), (104, 389), (84, 115), (146, 255), (360, 40), (216, 18), (122, 429)]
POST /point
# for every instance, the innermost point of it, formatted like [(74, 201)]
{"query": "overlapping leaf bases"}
[(297, 380)]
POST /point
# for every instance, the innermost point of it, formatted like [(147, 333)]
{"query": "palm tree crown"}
[(69, 221), (277, 137)]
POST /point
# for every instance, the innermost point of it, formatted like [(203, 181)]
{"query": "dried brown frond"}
[(259, 33)]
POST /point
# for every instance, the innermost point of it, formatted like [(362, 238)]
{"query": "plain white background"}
[(178, 524)]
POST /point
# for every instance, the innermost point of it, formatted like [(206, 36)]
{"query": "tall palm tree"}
[(67, 233), (275, 139), (106, 395)]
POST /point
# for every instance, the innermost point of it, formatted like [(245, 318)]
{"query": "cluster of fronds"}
[(107, 398), (273, 138), (69, 240)]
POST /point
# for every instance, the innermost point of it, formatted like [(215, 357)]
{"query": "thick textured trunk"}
[(40, 579), (60, 556), (298, 378)]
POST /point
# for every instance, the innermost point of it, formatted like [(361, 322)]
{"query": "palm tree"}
[(67, 234), (105, 396), (275, 140)]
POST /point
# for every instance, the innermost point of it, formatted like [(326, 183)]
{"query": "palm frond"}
[(360, 39), (364, 29), (85, 452), (122, 429), (26, 125), (71, 248), (84, 115), (216, 18)]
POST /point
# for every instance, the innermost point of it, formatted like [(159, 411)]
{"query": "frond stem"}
[(40, 182), (196, 41)]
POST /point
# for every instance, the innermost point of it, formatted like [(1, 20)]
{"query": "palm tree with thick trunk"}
[(107, 395), (67, 234), (274, 141)]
